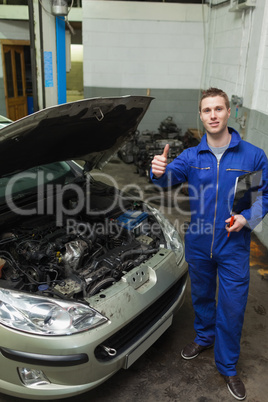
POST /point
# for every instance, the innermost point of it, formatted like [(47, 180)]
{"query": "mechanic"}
[(211, 169)]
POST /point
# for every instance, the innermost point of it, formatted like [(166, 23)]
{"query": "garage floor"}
[(161, 374)]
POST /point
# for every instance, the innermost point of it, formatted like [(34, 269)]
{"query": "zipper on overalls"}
[(238, 170), (217, 188), (203, 168)]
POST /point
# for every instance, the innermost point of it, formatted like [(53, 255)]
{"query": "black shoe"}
[(236, 387), (192, 350)]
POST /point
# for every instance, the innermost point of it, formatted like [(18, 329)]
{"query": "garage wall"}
[(146, 48), (237, 53), (10, 30), (260, 95), (237, 62)]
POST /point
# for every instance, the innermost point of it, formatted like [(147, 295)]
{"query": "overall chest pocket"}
[(200, 175), (237, 171), (232, 174)]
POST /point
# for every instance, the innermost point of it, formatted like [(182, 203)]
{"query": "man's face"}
[(214, 115)]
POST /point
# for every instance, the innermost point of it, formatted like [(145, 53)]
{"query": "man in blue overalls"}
[(211, 169)]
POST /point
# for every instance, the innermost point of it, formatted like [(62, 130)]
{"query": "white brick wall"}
[(120, 51), (238, 54), (261, 97), (14, 30), (227, 43)]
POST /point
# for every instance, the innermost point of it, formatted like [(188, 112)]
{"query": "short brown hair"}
[(210, 92)]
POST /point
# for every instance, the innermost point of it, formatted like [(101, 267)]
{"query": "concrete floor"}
[(161, 375)]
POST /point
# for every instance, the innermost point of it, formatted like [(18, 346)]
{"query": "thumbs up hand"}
[(159, 162)]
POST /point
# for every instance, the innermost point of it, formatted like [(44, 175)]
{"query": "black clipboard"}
[(246, 190)]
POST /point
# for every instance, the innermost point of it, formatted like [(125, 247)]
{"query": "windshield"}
[(27, 182), (4, 121)]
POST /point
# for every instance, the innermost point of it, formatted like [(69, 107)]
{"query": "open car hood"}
[(91, 130)]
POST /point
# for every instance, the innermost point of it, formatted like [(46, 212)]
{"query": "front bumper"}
[(138, 315)]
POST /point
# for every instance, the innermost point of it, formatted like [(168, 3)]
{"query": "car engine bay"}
[(83, 256)]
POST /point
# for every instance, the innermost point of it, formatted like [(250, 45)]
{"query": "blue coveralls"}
[(208, 249)]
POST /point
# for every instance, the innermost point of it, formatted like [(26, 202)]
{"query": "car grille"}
[(135, 330)]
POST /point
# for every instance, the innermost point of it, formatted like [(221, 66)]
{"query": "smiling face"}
[(214, 116)]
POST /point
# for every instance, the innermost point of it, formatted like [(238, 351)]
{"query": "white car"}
[(4, 121), (89, 277)]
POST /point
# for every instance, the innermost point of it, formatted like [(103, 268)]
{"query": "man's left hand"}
[(239, 223)]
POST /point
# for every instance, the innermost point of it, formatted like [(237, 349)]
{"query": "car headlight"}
[(172, 237), (43, 316)]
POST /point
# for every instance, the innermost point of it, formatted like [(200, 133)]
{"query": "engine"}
[(77, 260)]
